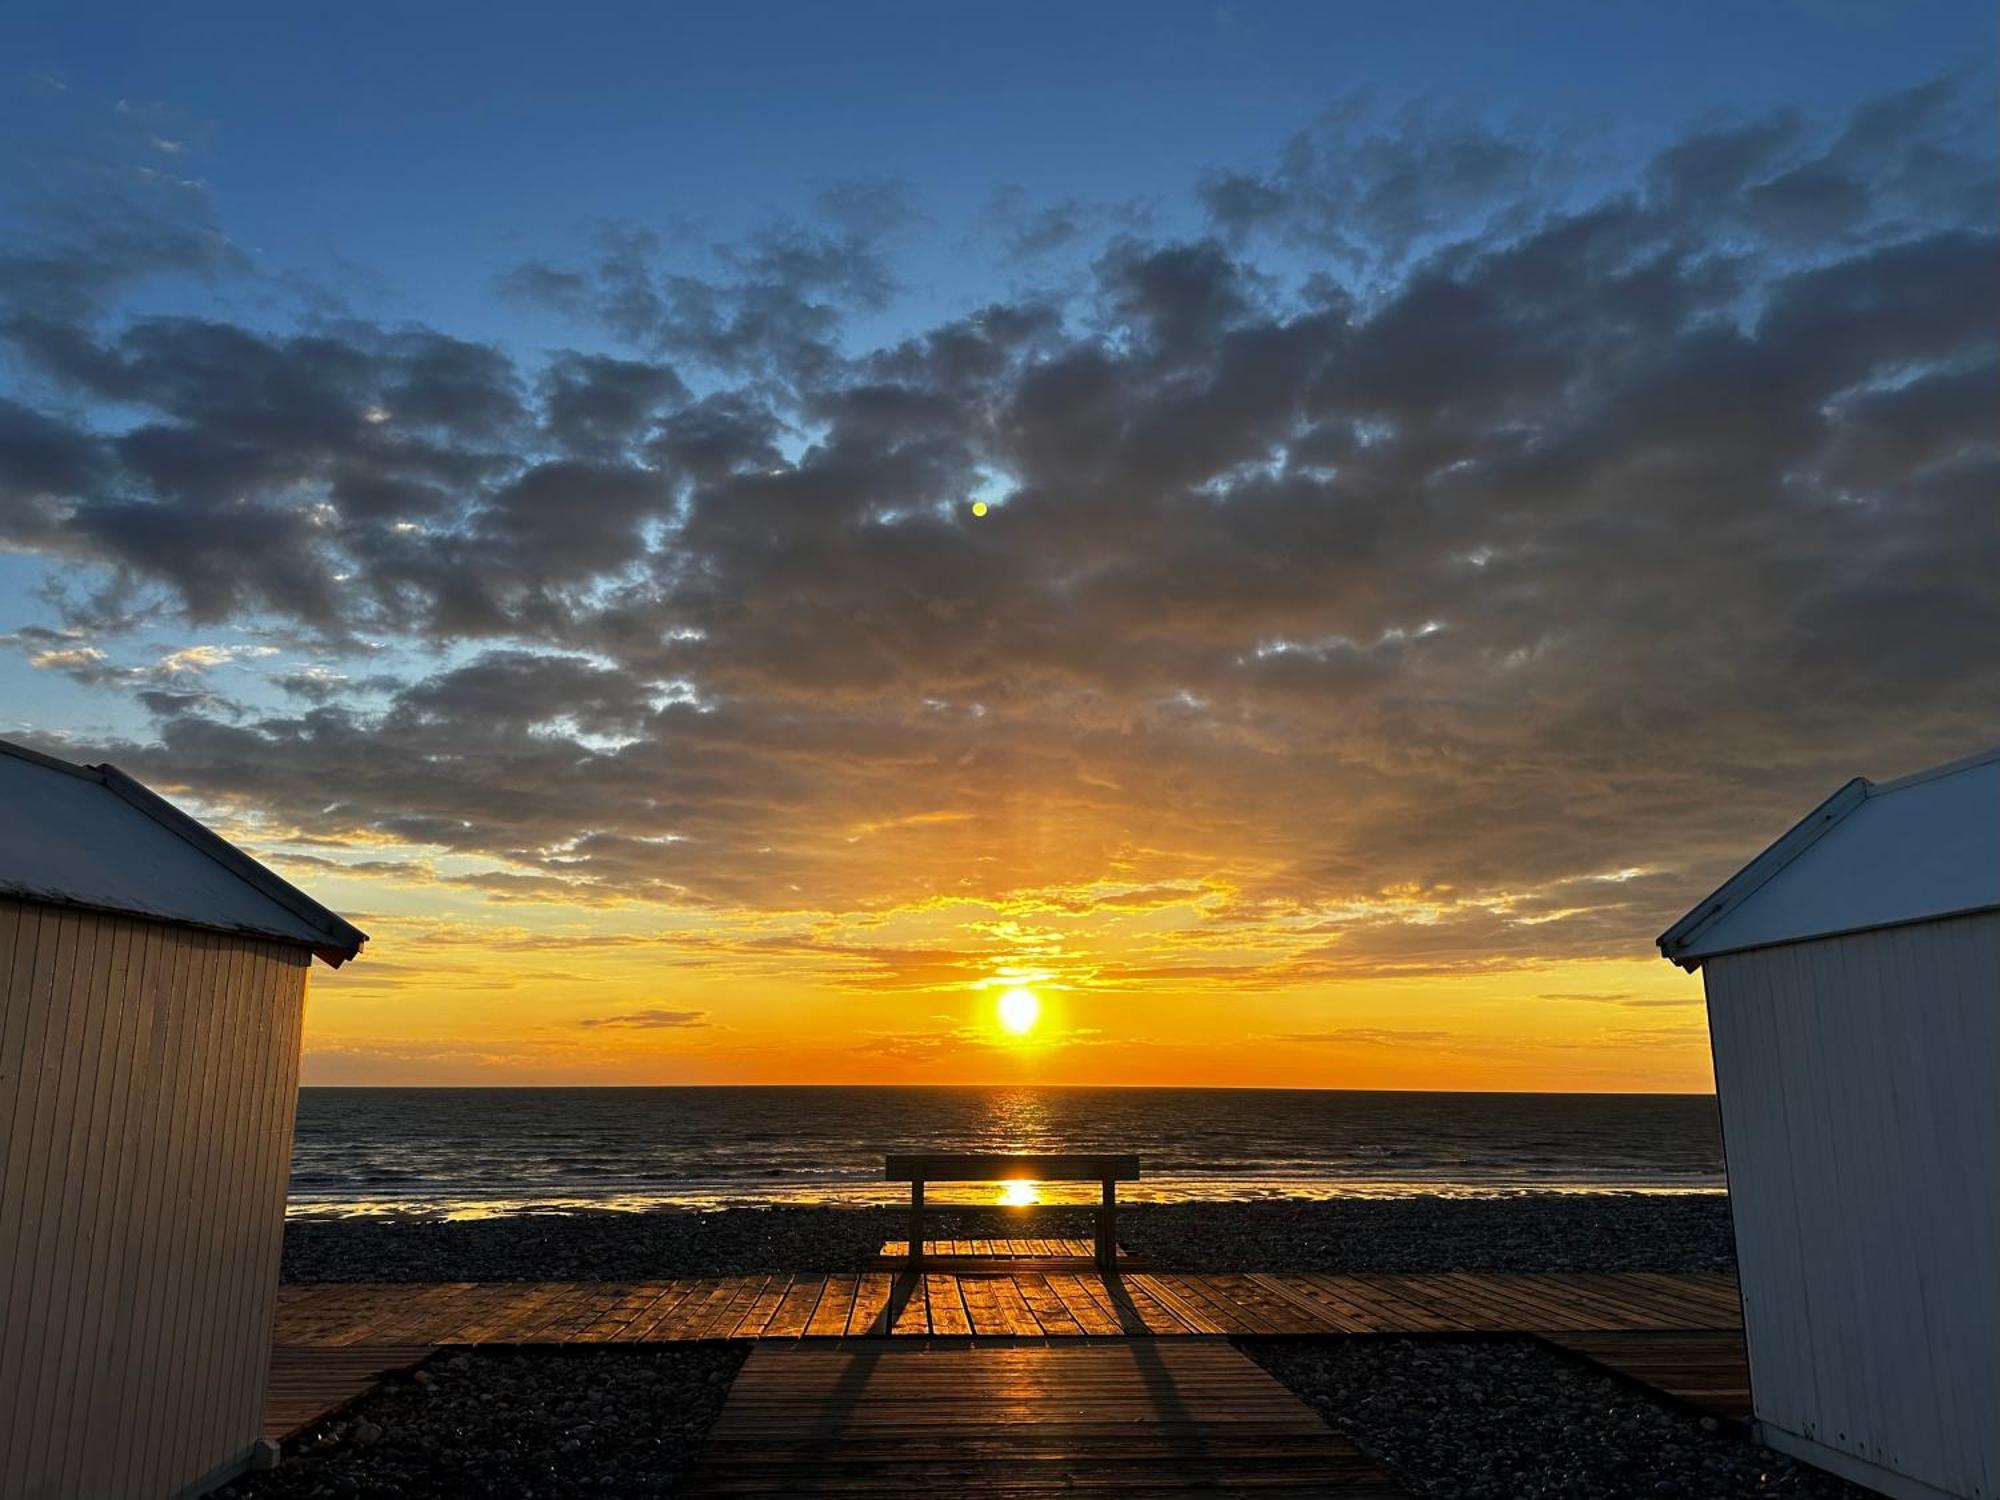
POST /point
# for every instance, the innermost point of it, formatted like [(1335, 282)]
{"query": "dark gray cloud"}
[(1539, 550), (1368, 188), (1023, 229), (770, 305), (114, 205)]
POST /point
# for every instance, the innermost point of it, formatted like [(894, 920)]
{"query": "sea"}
[(476, 1152)]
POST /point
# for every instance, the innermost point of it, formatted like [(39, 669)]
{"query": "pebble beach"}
[(1553, 1232)]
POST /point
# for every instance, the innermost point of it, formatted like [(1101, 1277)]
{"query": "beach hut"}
[(1853, 978), (152, 985)]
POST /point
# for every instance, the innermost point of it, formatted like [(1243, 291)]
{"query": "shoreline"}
[(870, 1194), (871, 1197), (1538, 1232)]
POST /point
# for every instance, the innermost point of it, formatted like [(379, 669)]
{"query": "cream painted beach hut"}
[(1853, 979), (152, 985)]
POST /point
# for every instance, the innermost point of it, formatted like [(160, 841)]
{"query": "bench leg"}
[(1107, 1227), (916, 1222)]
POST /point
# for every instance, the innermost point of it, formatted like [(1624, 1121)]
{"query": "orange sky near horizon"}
[(1162, 986)]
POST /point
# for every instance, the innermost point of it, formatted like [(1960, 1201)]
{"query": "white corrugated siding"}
[(148, 1078), (1857, 1077)]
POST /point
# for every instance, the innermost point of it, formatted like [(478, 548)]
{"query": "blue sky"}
[(409, 153)]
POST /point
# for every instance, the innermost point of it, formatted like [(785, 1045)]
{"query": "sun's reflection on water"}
[(1019, 1192)]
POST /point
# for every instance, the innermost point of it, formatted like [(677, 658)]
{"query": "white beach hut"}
[(1853, 979), (152, 985)]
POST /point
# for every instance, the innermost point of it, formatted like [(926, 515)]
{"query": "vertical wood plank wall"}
[(148, 1079), (1857, 1077)]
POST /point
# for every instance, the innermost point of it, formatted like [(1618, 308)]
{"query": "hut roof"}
[(1871, 855), (91, 836)]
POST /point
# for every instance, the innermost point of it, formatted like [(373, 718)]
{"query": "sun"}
[(1019, 1010)]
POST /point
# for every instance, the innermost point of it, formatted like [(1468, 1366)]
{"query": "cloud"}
[(1439, 529), (944, 1043), (1369, 187), (194, 661), (1624, 998), (650, 1020), (1367, 1036)]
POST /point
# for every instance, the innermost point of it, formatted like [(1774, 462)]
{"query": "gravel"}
[(1548, 1232), (1512, 1419), (1625, 1232), (530, 1424), (589, 1246)]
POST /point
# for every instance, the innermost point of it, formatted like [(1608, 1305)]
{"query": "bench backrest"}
[(964, 1168)]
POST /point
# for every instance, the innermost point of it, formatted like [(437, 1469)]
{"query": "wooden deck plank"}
[(1275, 1314), (1723, 1302), (1603, 1304), (1377, 1299), (1015, 1308), (1196, 1292), (949, 1313), (909, 1311), (871, 1301), (644, 1325), (1132, 1295), (980, 1309), (1502, 1302), (999, 1256), (696, 1310), (732, 1310), (757, 1317), (1707, 1369), (1194, 1318), (1026, 1301), (1645, 1303), (1122, 1417), (795, 1308), (582, 1309), (309, 1384), (1322, 1310), (1091, 1315), (1054, 1319), (836, 1303), (616, 1318)]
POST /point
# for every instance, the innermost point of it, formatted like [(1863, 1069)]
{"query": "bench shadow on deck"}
[(1123, 1417)]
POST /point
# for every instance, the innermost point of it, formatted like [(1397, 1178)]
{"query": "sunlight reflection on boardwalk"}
[(1033, 1304), (1113, 1417)]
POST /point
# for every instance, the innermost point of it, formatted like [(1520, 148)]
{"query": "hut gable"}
[(1872, 855), (92, 837)]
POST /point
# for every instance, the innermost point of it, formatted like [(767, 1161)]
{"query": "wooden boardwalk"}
[(1017, 1304), (1127, 1417), (1707, 1369), (309, 1385), (1680, 1335)]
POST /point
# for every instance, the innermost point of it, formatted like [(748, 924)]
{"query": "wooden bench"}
[(917, 1170)]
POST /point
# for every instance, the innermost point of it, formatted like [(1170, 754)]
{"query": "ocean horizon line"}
[(1123, 1088)]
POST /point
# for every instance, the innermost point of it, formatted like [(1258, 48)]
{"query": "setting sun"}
[(1019, 1010)]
